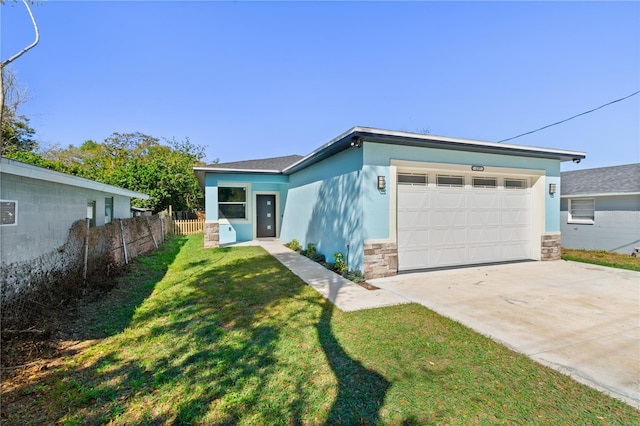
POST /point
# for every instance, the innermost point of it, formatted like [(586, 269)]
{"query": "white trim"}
[(416, 166), (570, 219), (595, 194), (15, 212), (230, 170), (18, 168), (249, 204), (255, 213)]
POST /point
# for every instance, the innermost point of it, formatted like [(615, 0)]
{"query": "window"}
[(450, 181), (91, 213), (108, 210), (8, 212), (582, 210), (412, 179), (232, 202), (512, 183), (485, 182)]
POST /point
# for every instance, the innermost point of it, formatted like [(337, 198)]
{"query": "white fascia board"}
[(223, 170), (568, 155), (601, 194), (475, 142), (18, 168)]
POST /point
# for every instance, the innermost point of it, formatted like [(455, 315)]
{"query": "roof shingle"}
[(603, 180), (274, 163)]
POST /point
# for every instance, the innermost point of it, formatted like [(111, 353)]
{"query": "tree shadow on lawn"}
[(208, 348), (361, 391)]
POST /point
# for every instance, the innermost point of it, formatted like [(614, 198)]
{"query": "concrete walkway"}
[(346, 295)]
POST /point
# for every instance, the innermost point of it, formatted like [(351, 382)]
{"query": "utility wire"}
[(571, 118)]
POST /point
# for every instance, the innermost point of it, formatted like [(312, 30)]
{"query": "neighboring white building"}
[(600, 208), (38, 207)]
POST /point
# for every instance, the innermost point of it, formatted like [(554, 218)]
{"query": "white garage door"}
[(439, 227)]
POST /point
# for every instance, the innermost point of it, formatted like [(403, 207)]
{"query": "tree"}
[(18, 131), (17, 134), (141, 163)]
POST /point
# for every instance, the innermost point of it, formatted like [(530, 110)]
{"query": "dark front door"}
[(266, 211)]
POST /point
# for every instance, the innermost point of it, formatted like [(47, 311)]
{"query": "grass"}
[(604, 258), (230, 336)]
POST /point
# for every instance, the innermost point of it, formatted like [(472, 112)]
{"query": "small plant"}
[(317, 257), (309, 251), (355, 275), (339, 264), (294, 245)]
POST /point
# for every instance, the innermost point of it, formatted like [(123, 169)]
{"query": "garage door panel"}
[(447, 218), (448, 227), (480, 236), (483, 218), (447, 200), (446, 236), (446, 256), (484, 199)]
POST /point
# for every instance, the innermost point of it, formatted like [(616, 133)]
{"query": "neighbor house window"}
[(512, 183), (412, 179), (8, 212), (108, 210), (450, 181), (582, 210), (232, 202)]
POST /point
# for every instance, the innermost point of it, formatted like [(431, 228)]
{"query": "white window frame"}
[(425, 175), (494, 186), (247, 202), (449, 185), (108, 219), (582, 220), (15, 212), (516, 188)]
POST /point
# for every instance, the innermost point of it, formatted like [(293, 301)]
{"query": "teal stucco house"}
[(395, 201)]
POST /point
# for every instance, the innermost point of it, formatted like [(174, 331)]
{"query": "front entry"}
[(266, 216)]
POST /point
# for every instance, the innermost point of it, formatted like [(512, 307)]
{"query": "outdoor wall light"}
[(552, 188), (355, 141), (477, 168), (382, 184)]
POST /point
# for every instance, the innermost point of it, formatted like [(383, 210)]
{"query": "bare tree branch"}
[(37, 39), (11, 59)]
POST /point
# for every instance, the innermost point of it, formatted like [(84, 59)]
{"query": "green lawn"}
[(229, 336), (604, 258)]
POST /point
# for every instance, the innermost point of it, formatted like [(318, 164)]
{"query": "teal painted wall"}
[(324, 207), (377, 159), (238, 232)]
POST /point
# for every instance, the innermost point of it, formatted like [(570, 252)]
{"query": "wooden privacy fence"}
[(187, 227)]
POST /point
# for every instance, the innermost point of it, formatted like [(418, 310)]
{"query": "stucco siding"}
[(232, 231), (324, 207), (616, 225), (46, 211)]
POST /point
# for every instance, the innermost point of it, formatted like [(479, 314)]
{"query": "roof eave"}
[(19, 168), (367, 134)]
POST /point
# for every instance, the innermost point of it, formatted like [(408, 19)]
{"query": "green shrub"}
[(310, 251), (356, 276), (294, 245), (339, 264)]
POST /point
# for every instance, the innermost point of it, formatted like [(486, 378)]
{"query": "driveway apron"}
[(580, 319)]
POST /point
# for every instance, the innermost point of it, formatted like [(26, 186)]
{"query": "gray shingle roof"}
[(275, 163), (603, 180)]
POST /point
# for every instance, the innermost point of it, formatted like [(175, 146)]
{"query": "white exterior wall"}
[(45, 213), (616, 226)]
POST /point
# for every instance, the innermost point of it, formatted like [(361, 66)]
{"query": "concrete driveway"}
[(580, 319)]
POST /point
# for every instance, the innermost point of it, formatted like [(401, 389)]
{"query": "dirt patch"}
[(368, 286)]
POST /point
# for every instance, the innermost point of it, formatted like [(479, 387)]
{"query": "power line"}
[(571, 118)]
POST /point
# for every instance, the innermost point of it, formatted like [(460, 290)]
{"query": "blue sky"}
[(264, 79)]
